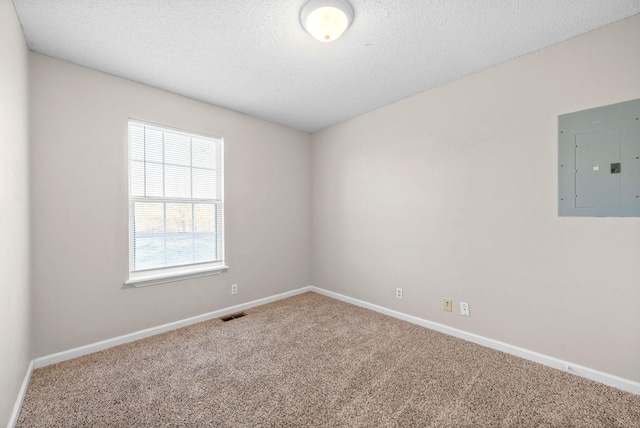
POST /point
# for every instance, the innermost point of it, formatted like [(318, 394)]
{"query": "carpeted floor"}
[(312, 361)]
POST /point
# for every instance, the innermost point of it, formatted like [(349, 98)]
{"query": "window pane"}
[(203, 153), (148, 252), (177, 149), (179, 250), (154, 179), (179, 218), (136, 140), (204, 248), (204, 217), (153, 145), (177, 181), (148, 218), (204, 183), (137, 178)]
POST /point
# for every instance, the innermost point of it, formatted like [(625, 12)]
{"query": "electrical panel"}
[(599, 161)]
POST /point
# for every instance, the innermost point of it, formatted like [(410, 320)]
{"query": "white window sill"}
[(143, 279)]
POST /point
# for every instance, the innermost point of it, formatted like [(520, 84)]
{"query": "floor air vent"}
[(233, 316)]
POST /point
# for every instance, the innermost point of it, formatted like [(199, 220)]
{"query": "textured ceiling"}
[(253, 56)]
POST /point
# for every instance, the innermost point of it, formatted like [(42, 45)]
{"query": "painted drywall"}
[(15, 340), (80, 209), (452, 194)]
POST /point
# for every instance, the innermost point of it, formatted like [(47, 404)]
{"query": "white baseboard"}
[(109, 343), (585, 372), (13, 418)]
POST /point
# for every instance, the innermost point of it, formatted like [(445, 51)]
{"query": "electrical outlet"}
[(464, 309), (234, 289), (399, 293), (448, 305)]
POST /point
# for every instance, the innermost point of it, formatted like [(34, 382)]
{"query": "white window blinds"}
[(175, 198)]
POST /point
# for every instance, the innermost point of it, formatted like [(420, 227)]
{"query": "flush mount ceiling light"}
[(326, 20)]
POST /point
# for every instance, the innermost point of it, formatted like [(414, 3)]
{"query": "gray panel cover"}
[(599, 161)]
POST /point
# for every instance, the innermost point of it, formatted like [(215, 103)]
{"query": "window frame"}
[(161, 275)]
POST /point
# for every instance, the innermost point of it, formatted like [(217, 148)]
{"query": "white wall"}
[(452, 194), (80, 210), (14, 215)]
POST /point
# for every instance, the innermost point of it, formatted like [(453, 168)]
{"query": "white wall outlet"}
[(234, 288), (464, 309), (399, 293)]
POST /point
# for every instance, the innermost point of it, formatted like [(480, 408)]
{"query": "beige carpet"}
[(312, 361)]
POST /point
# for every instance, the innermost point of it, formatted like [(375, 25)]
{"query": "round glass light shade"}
[(326, 20)]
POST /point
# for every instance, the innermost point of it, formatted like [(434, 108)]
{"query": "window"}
[(175, 204)]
